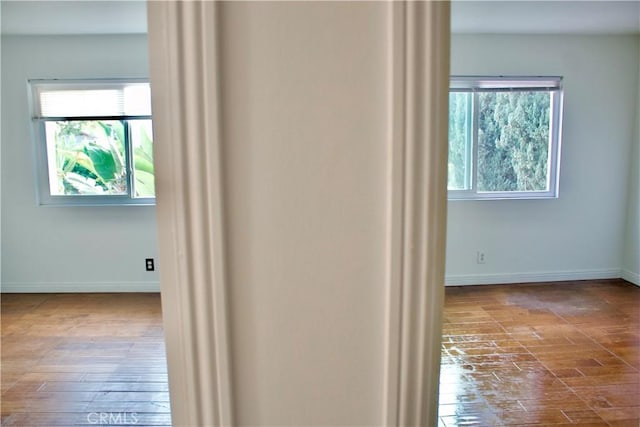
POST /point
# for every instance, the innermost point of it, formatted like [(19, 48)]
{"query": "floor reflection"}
[(518, 355)]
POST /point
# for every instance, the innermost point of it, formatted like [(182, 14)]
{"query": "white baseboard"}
[(450, 280), (550, 276), (79, 287), (630, 276)]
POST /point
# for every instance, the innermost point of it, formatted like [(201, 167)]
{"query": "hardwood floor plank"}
[(105, 386)]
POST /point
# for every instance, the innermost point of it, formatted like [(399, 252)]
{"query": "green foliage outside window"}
[(90, 157), (513, 141), (460, 115), (144, 184)]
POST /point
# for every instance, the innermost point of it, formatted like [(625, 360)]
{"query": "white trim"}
[(396, 96), (539, 276), (478, 83), (630, 276), (416, 231), (185, 81), (450, 280), (395, 172), (78, 287)]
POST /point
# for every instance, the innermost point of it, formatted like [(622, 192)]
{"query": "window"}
[(504, 137), (94, 142)]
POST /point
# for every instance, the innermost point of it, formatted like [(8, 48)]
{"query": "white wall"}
[(581, 234), (66, 248), (631, 255)]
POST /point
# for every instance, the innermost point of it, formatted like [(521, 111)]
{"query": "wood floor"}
[(83, 359), (562, 353), (548, 354)]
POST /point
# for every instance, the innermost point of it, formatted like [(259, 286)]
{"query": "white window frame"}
[(44, 196), (479, 84)]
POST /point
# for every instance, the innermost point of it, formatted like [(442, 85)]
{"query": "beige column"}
[(301, 192)]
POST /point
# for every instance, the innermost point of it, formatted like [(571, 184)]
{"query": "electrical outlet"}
[(480, 257), (149, 264)]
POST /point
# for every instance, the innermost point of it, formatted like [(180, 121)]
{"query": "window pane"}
[(513, 141), (86, 157), (142, 147), (460, 114)]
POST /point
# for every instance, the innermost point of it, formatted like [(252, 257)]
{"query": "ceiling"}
[(546, 17), (73, 17), (468, 16)]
